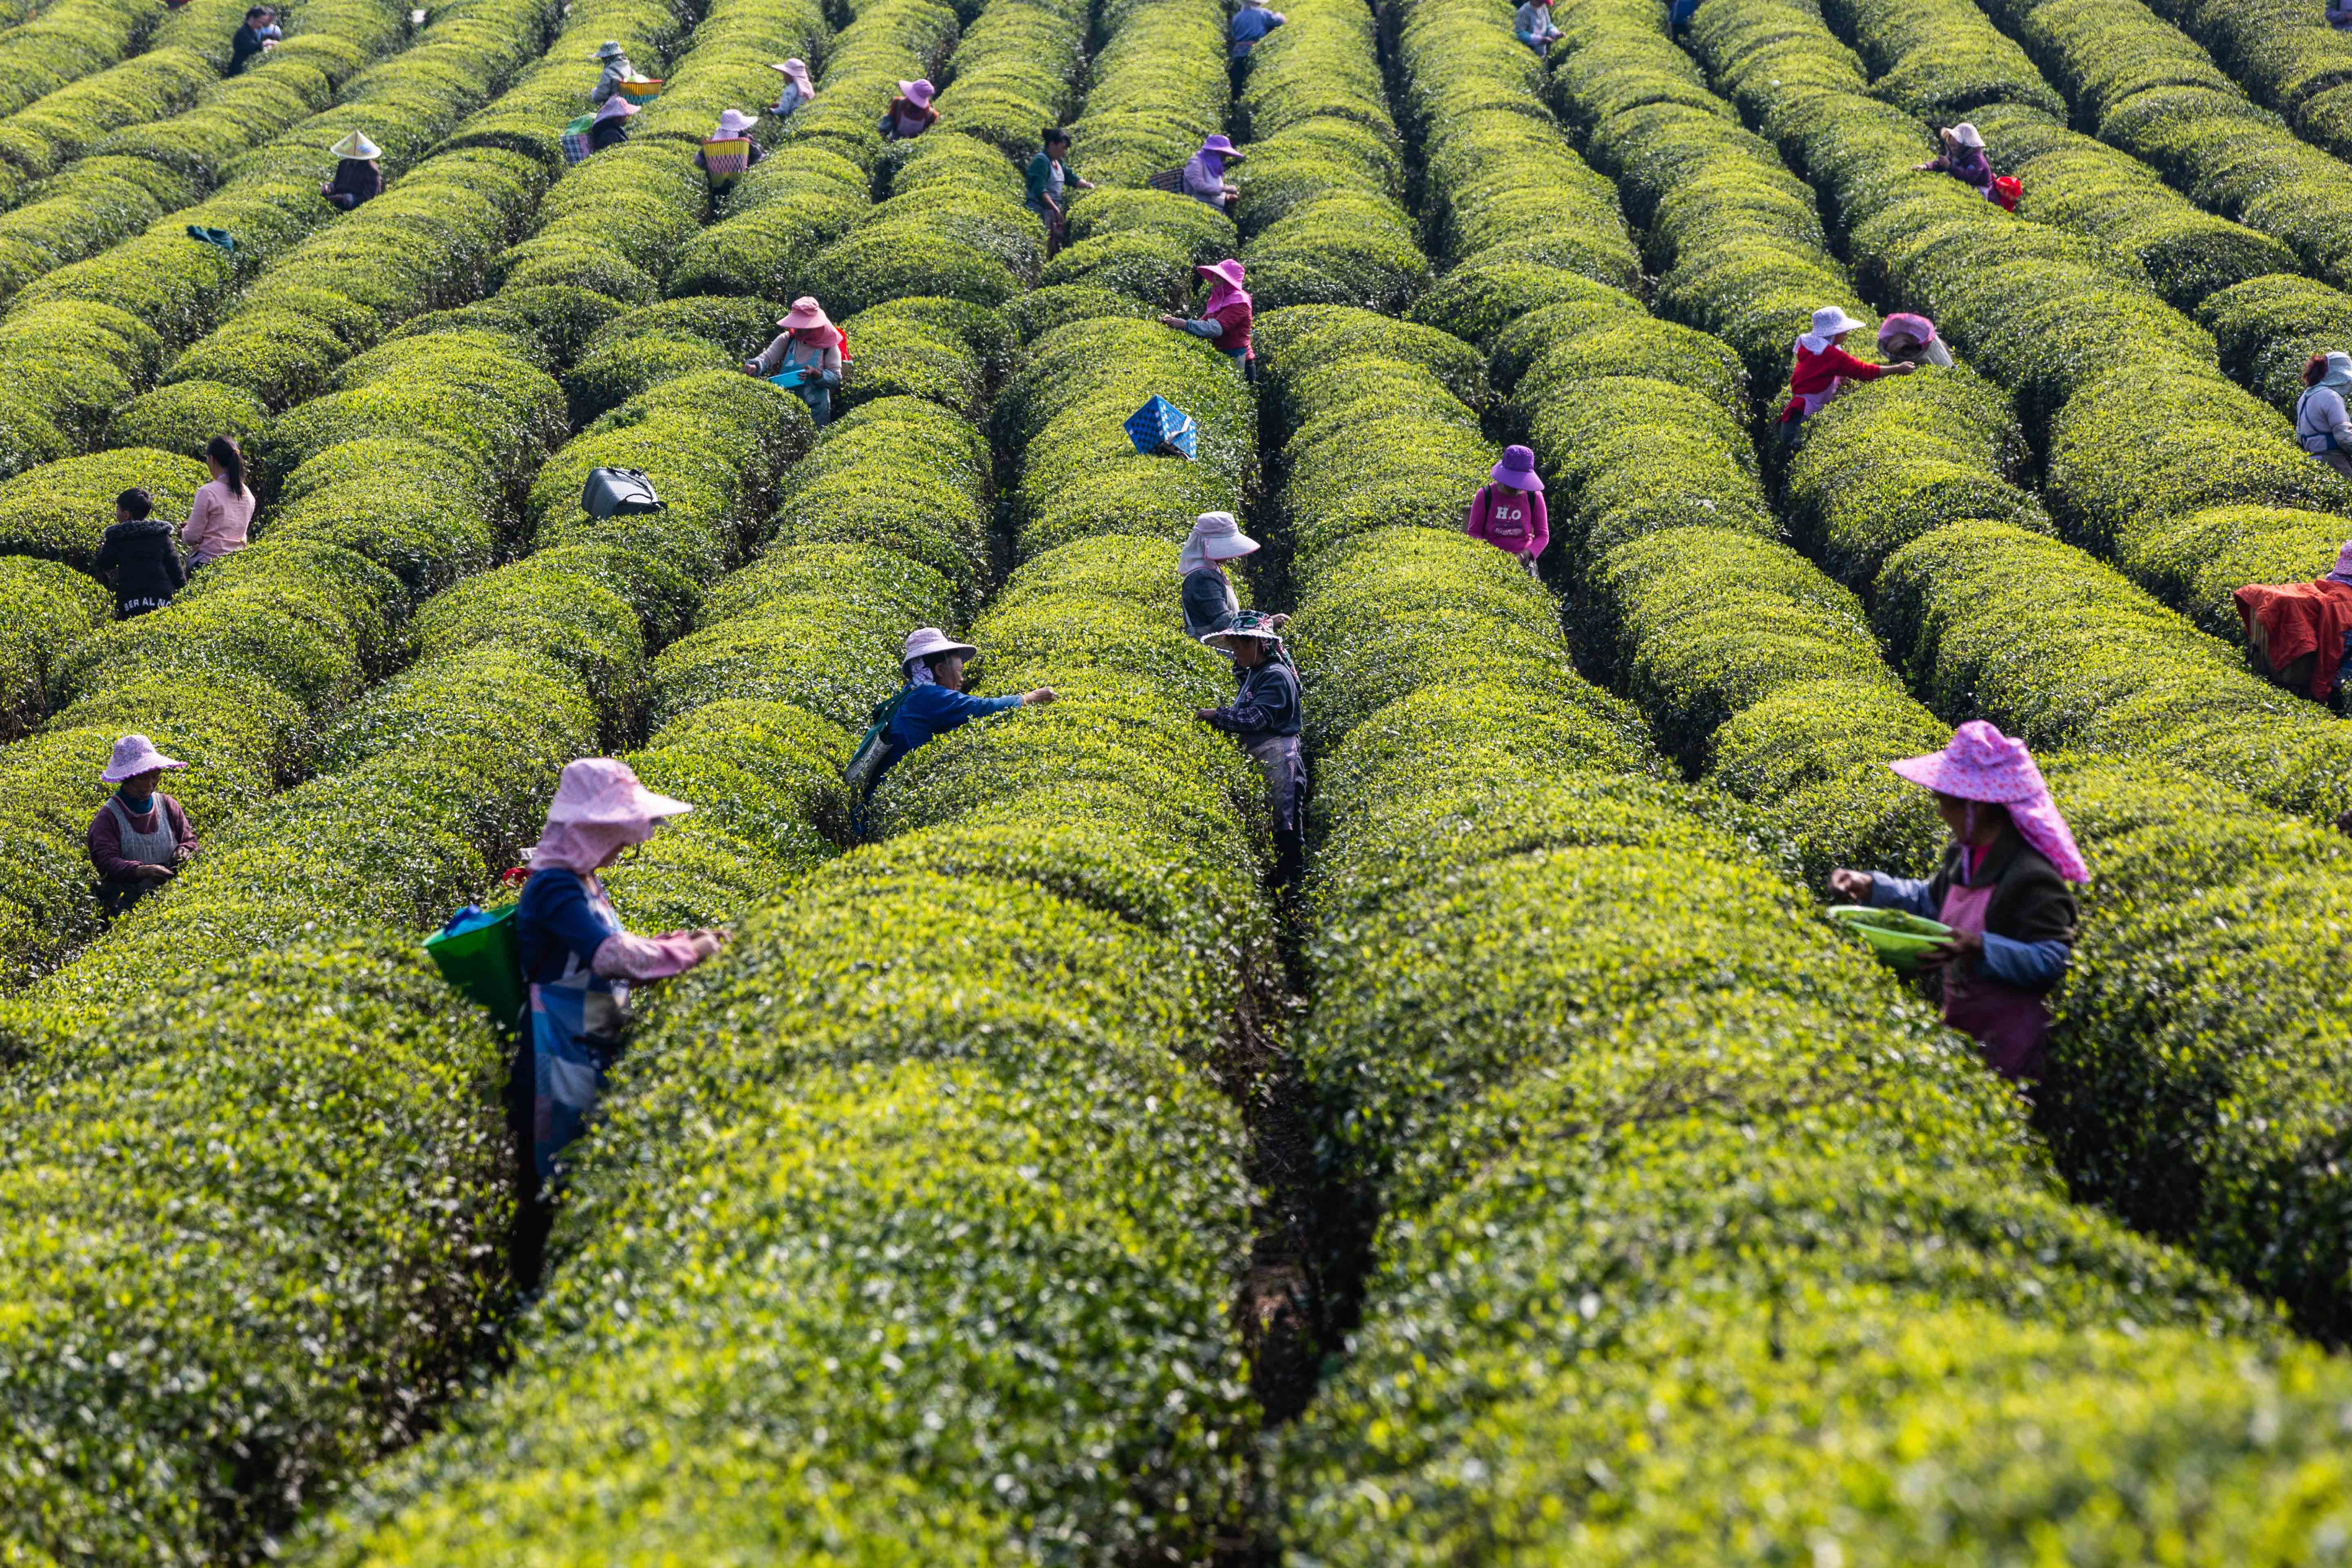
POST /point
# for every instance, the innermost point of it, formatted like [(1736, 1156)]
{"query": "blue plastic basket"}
[(1159, 427)]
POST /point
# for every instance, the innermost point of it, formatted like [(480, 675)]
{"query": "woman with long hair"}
[(222, 513)]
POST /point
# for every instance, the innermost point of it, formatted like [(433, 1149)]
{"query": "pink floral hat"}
[(1982, 763), (133, 755)]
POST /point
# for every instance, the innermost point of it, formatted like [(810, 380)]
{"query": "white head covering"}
[(1967, 135), (1216, 536), (616, 108), (797, 70), (1827, 323), (732, 122), (611, 50), (356, 146)]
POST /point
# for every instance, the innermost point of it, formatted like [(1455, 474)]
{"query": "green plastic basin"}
[(1897, 938)]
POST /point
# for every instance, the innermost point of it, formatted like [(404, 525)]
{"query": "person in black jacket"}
[(140, 558), (611, 126), (1266, 716), (358, 177), (257, 36)]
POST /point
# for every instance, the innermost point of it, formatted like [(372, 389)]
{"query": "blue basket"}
[(1160, 427)]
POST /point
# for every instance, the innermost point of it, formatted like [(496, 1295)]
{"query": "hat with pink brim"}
[(1981, 764), (604, 792), (133, 755), (598, 807), (804, 314)]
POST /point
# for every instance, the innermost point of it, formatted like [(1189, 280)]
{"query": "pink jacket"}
[(1509, 520), (217, 521)]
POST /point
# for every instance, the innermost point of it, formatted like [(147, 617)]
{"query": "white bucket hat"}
[(1967, 135), (1831, 320), (928, 642), (732, 122), (133, 755), (356, 146)]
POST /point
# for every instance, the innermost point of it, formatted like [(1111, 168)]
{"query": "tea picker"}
[(806, 357), (617, 69), (2002, 888), (1226, 315), (1266, 716), (911, 113), (559, 965), (1250, 23), (2299, 635), (1822, 370), (930, 702), (1209, 602), (358, 177), (140, 837), (139, 557), (729, 150), (798, 90), (1963, 157), (1508, 512), (257, 36)]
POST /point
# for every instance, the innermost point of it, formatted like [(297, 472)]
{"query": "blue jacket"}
[(933, 710)]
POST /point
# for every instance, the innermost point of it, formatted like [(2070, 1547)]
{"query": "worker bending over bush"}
[(2003, 888)]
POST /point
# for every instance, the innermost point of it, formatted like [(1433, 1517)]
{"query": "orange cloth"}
[(2297, 618)]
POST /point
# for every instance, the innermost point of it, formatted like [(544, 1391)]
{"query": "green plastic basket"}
[(485, 961), (1897, 938)]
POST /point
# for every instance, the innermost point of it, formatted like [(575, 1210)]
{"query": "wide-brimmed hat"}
[(133, 755), (616, 108), (1831, 320), (1967, 135), (1980, 763), (732, 122), (805, 313), (2342, 573), (603, 792), (1228, 271), (929, 642), (796, 68), (1903, 323), (1248, 624), (919, 93), (356, 146), (609, 50), (1218, 536), (1517, 469), (1223, 145)]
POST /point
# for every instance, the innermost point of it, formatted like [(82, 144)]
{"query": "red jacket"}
[(1816, 376), (2287, 620)]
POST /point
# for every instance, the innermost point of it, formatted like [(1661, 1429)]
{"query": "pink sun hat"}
[(805, 313), (919, 93), (133, 755), (599, 806), (1981, 764)]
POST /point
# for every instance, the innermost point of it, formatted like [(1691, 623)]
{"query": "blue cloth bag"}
[(1160, 426)]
